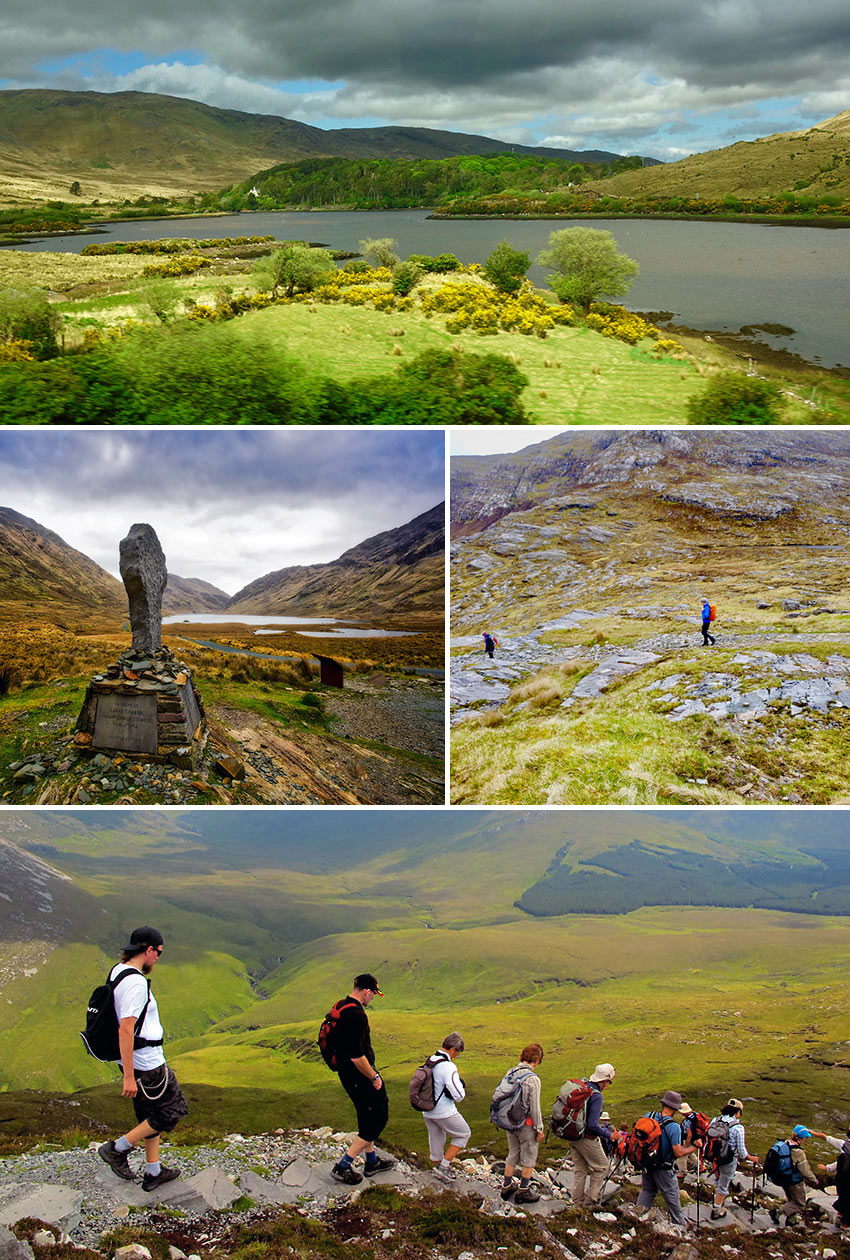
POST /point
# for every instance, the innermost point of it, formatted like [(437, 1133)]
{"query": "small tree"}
[(27, 316), (295, 269), (587, 265), (380, 252), (162, 297), (75, 190), (506, 267), (734, 399), (406, 276)]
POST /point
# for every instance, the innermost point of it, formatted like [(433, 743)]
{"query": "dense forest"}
[(635, 875), (397, 184)]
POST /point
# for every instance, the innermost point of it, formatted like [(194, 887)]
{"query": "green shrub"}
[(731, 398), (26, 315), (437, 387), (406, 276), (506, 267)]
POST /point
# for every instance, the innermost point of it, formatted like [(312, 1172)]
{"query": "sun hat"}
[(602, 1072)]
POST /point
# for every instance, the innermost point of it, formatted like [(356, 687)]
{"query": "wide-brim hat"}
[(671, 1099), (602, 1072)]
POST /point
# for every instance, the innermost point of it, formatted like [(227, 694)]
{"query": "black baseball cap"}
[(141, 937), (367, 981)]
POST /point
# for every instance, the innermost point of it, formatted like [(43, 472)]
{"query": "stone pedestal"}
[(147, 706)]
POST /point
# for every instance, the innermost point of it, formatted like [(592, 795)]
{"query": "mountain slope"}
[(588, 557), (167, 144), (813, 161), (192, 595), (399, 571), (37, 565)]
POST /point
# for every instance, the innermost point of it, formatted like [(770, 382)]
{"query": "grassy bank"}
[(278, 364)]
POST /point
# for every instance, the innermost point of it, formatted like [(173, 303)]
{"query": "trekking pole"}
[(753, 1199), (612, 1168), (699, 1181)]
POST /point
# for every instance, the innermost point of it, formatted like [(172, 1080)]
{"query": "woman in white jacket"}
[(445, 1123)]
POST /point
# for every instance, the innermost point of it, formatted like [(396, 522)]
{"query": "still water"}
[(711, 275)]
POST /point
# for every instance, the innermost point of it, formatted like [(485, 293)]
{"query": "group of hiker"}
[(708, 614), (661, 1145), (123, 1026)]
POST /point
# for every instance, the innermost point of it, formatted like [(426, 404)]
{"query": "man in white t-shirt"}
[(445, 1123), (157, 1097)]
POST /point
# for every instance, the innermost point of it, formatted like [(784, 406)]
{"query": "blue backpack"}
[(778, 1166)]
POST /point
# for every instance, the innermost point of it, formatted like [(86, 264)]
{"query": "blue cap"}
[(800, 1131)]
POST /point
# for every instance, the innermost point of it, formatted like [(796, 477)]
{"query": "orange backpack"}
[(712, 612)]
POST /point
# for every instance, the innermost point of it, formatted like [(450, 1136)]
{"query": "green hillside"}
[(121, 144)]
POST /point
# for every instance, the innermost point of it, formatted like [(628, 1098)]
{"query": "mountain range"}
[(170, 145), (399, 570)]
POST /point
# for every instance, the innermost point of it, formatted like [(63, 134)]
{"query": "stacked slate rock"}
[(181, 729)]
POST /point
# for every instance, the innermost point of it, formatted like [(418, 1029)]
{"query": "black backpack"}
[(100, 1036)]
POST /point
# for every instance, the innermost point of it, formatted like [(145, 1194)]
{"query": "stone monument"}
[(145, 704)]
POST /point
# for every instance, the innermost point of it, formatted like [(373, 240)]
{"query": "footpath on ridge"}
[(75, 1198)]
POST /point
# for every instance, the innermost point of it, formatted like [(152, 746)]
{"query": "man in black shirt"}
[(355, 1058)]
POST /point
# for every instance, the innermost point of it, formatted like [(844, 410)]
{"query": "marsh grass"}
[(621, 748)]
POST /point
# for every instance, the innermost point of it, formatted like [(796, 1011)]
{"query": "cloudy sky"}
[(659, 77), (227, 506)]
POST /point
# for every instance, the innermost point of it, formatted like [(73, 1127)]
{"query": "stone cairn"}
[(144, 704)]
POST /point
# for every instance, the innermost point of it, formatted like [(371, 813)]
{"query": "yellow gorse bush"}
[(616, 321), (185, 266), (16, 350), (485, 310)]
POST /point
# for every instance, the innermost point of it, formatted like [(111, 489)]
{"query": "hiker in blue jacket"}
[(706, 623)]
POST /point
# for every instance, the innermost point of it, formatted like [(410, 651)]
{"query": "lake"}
[(333, 630), (713, 276)]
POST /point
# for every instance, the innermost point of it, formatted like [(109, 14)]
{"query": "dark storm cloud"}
[(589, 68), (228, 506)]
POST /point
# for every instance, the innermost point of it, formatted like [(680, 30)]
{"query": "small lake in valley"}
[(712, 276), (349, 630)]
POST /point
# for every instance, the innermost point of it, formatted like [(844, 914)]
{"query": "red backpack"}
[(699, 1123), (327, 1031), (569, 1111), (643, 1145)]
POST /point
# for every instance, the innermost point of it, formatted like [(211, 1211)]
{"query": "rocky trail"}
[(746, 687), (72, 1197)]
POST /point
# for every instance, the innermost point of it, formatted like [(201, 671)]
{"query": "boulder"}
[(55, 1205), (12, 1248)]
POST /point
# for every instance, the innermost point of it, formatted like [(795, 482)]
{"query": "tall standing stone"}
[(144, 574), (145, 703)]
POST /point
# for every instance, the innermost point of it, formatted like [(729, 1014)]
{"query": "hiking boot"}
[(117, 1161), (526, 1195), (507, 1191), (149, 1182), (380, 1165), (347, 1176), (445, 1174)]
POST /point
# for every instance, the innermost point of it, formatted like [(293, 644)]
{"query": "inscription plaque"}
[(190, 708), (126, 722)]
